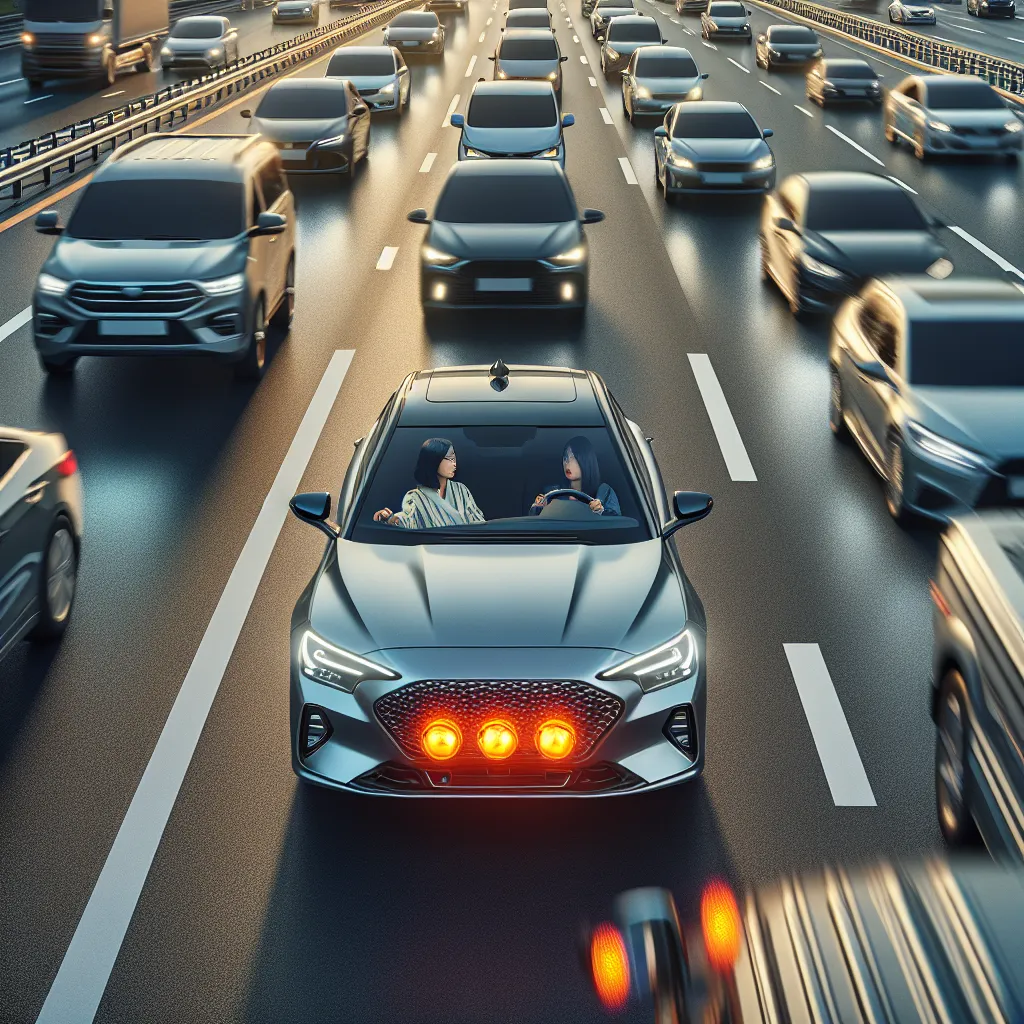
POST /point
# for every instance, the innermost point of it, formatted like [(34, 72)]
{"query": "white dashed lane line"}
[(902, 184), (771, 88), (451, 110), (1013, 39), (575, 39), (737, 64), (472, 64), (722, 422), (710, 46), (605, 116), (627, 170), (482, 36), (803, 110), (593, 82), (986, 251), (16, 323), (48, 96), (428, 162), (976, 31), (386, 260), (107, 95), (583, 60), (856, 145), (488, 21), (689, 31)]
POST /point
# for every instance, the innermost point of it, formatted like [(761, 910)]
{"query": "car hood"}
[(917, 9), (374, 597), (805, 49), (294, 6), (297, 130), (504, 241), (989, 420), (669, 86), (872, 253), (78, 259), (512, 140), (972, 118), (191, 45), (721, 149), (527, 68), (410, 33), (361, 82)]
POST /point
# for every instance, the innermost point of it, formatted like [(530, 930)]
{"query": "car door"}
[(404, 77), (785, 245), (663, 144), (359, 124), (906, 100), (815, 82), (629, 79), (880, 333)]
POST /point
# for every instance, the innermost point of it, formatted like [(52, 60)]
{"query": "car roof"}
[(843, 181), (522, 87), (307, 84), (958, 298), (772, 28), (654, 50), (993, 538), (969, 80), (200, 17), (634, 19), (205, 157)]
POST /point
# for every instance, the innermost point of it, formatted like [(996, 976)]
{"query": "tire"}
[(253, 364), (837, 408), (894, 473), (797, 308), (57, 580), (58, 367), (283, 315), (952, 783)]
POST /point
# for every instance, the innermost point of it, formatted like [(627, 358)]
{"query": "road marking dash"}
[(575, 39), (12, 81), (605, 116), (593, 82), (386, 260), (108, 95), (16, 323), (627, 170), (722, 422), (856, 145), (472, 64), (902, 184), (803, 110), (770, 88), (976, 31), (483, 35), (451, 110), (710, 46), (428, 162), (985, 250), (737, 64), (36, 99), (583, 60)]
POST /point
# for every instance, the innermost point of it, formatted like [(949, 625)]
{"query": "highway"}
[(270, 902)]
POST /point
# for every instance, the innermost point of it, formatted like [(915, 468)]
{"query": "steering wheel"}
[(579, 509), (569, 492)]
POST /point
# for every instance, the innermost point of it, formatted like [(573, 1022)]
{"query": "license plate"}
[(293, 154), (411, 42), (504, 284), (1015, 486), (722, 179), (133, 328), (854, 92)]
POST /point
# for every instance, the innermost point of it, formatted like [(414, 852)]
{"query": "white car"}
[(901, 13)]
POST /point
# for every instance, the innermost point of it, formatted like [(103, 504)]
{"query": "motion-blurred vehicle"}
[(291, 12), (505, 233), (958, 114), (379, 75), (529, 53), (512, 120), (978, 678), (712, 146), (200, 42), (587, 7), (319, 125), (726, 19), (605, 10), (927, 377), (901, 13), (931, 940), (516, 676), (823, 234), (89, 38), (657, 78), (786, 46), (40, 535), (623, 37), (691, 6), (446, 5), (528, 17), (992, 8), (179, 245), (843, 80), (415, 32)]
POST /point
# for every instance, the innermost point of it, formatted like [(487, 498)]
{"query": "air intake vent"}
[(316, 729), (680, 730)]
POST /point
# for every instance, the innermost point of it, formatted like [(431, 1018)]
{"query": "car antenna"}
[(499, 375)]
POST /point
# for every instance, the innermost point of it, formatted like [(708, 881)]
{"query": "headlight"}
[(95, 39), (1013, 126), (817, 267), (334, 140), (680, 161), (329, 664), (166, 52), (27, 39), (643, 92), (829, 85), (548, 154), (696, 93), (438, 257), (50, 285), (476, 154), (669, 663), (817, 52), (214, 51), (773, 53), (388, 90), (577, 254), (502, 74), (612, 53), (946, 451), (940, 269), (939, 126), (763, 163), (224, 285)]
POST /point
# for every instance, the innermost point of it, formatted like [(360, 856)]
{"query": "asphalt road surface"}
[(270, 902)]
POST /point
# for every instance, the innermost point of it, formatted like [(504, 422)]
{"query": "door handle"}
[(35, 493)]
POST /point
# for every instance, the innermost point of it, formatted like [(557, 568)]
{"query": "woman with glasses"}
[(582, 473), (438, 499)]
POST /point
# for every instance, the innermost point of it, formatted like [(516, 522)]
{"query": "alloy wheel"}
[(894, 479), (61, 574), (949, 764)]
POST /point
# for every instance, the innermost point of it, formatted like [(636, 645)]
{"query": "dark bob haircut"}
[(585, 455), (428, 462)]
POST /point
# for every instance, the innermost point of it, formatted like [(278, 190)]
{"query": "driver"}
[(582, 473)]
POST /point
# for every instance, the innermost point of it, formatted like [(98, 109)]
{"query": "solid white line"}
[(593, 82), (605, 116), (482, 36), (736, 63), (837, 751), (1013, 39), (108, 95), (75, 994), (12, 81), (472, 64), (944, 39), (16, 323), (675, 21), (856, 145), (428, 162), (583, 60), (771, 87), (722, 422), (451, 110), (710, 46), (803, 110), (985, 250), (627, 170), (902, 184), (387, 257), (48, 96)]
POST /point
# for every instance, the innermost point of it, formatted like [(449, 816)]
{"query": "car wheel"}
[(952, 797), (253, 364), (57, 578), (837, 408), (797, 307), (894, 481), (58, 367), (285, 312)]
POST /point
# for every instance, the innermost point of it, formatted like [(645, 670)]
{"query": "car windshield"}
[(528, 49), (728, 11), (352, 65), (856, 209), (666, 67), (850, 71), (512, 111), (62, 10), (967, 353), (315, 103), (498, 473), (692, 124), (175, 209), (198, 28), (518, 5), (505, 199), (622, 5), (791, 35), (415, 19), (963, 96), (634, 32)]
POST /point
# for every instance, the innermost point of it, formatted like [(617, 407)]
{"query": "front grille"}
[(151, 300), (525, 703), (724, 168), (996, 491), (368, 92)]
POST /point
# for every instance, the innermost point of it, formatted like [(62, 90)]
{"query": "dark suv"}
[(181, 244), (978, 681)]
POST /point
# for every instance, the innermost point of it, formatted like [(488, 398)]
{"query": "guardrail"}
[(37, 163)]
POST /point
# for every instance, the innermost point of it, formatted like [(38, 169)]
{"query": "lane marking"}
[(48, 96), (428, 162), (605, 116), (728, 434), (446, 123), (1013, 39), (583, 60), (675, 21), (472, 64), (710, 46), (944, 39), (902, 184), (575, 39), (837, 751), (387, 257), (803, 110), (771, 87), (627, 170), (488, 21), (985, 250), (482, 36), (12, 81), (856, 145), (593, 82), (16, 323), (107, 95), (976, 31), (737, 64), (689, 31), (76, 992)]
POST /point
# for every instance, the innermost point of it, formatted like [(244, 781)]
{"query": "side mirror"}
[(48, 223), (664, 40), (661, 132), (690, 507), (704, 75), (767, 133), (247, 113), (418, 217), (314, 508), (785, 224), (269, 224), (492, 57), (457, 120), (502, 29), (563, 58), (567, 120), (592, 216)]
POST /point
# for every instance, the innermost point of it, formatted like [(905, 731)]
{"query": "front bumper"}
[(413, 46), (852, 96), (191, 62), (501, 284), (997, 12), (69, 64), (723, 35), (446, 5), (382, 101), (698, 179), (980, 141), (465, 154), (919, 19), (314, 159), (614, 64), (295, 19), (790, 60), (655, 105)]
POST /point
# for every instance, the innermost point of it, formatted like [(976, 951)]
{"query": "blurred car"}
[(911, 14), (978, 681), (379, 75), (40, 535), (786, 46), (623, 37), (505, 233), (446, 5), (658, 77), (512, 120), (319, 125), (726, 19), (587, 7), (415, 32), (200, 42), (691, 6), (529, 53), (528, 17), (296, 11), (823, 234), (958, 114), (517, 677), (180, 245), (992, 8), (843, 80), (712, 146), (605, 10), (927, 377)]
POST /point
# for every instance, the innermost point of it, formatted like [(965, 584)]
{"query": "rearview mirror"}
[(690, 507), (785, 224), (457, 120), (661, 132), (269, 224), (563, 58), (314, 508), (568, 120), (418, 217), (48, 223), (247, 113), (592, 216), (767, 133)]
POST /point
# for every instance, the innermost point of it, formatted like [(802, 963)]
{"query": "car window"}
[(354, 65), (515, 5), (655, 66), (505, 199), (512, 111), (272, 182), (966, 353), (791, 34), (851, 71), (696, 124), (198, 28), (415, 19), (879, 331), (872, 209), (543, 48), (962, 95), (314, 101), (647, 31), (727, 10), (10, 452), (528, 19)]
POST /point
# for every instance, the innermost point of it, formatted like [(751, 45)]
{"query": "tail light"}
[(68, 464), (609, 966), (721, 924), (441, 739), (497, 739)]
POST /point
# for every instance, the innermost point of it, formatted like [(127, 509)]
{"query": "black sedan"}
[(505, 233), (843, 81), (786, 46), (416, 32), (823, 234)]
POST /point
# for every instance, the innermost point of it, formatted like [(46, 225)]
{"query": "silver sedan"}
[(911, 14), (657, 78), (200, 42)]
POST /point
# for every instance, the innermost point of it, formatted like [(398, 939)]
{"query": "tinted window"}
[(505, 199), (967, 353), (528, 19), (198, 28), (528, 49), (416, 19), (512, 111), (621, 4), (862, 210), (729, 125), (637, 32), (728, 11), (10, 452), (666, 67), (962, 96), (349, 65), (852, 71), (791, 35), (62, 10), (159, 208), (315, 103)]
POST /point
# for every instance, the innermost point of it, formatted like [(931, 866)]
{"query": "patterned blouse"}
[(423, 508)]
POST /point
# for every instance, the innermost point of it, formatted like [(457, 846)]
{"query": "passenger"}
[(582, 473), (438, 500)]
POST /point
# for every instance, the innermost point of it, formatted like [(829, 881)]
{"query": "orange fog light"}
[(441, 739), (721, 924), (609, 966), (497, 739), (556, 739)]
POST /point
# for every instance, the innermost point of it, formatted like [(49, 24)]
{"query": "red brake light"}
[(68, 464), (940, 602), (609, 966), (721, 924)]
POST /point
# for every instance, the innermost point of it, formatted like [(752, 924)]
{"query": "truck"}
[(90, 38)]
